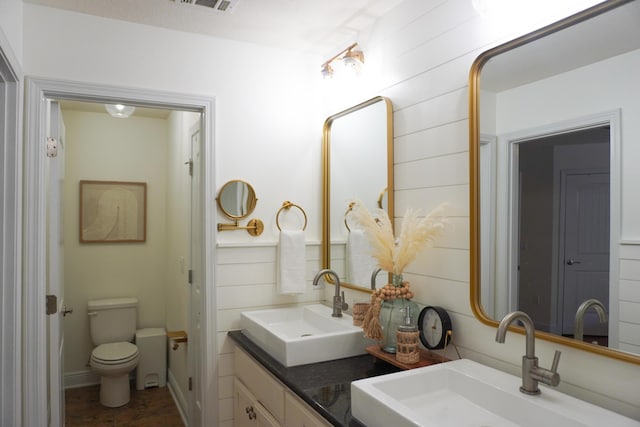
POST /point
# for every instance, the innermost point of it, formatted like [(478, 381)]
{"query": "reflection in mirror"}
[(552, 202), (357, 165), (237, 199)]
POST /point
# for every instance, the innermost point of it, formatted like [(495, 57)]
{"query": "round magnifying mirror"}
[(237, 199)]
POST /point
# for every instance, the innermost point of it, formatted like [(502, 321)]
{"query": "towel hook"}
[(288, 205)]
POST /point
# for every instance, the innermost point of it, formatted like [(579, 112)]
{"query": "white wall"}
[(253, 139), (100, 147), (11, 26)]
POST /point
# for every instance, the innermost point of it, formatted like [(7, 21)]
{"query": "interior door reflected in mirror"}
[(357, 158), (553, 206)]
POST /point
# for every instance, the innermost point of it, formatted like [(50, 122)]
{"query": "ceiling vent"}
[(222, 6)]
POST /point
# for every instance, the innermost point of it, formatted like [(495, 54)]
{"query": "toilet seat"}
[(114, 353)]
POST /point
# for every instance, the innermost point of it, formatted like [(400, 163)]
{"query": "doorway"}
[(563, 227), (38, 91)]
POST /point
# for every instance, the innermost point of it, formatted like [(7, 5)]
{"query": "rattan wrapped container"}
[(407, 344), (359, 311)]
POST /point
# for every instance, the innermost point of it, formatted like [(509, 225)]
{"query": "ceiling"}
[(318, 26)]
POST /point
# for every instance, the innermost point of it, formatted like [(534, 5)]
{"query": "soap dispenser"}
[(407, 340)]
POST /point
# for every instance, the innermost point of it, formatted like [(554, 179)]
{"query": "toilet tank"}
[(112, 319)]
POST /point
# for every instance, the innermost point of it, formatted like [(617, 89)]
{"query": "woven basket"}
[(359, 311), (407, 347)]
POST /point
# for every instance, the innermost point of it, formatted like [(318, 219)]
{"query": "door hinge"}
[(52, 147), (190, 276), (190, 383), (190, 163), (52, 304)]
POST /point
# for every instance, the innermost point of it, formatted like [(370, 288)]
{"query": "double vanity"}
[(301, 366)]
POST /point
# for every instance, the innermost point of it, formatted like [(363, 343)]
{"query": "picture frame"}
[(113, 212)]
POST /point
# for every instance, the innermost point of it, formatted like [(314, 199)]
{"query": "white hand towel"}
[(291, 262), (360, 263)]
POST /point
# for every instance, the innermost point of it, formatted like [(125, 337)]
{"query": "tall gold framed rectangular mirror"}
[(357, 164), (554, 216)]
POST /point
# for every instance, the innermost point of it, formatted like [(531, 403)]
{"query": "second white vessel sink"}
[(304, 334), (465, 393)]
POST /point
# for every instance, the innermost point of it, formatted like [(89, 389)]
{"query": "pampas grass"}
[(392, 254)]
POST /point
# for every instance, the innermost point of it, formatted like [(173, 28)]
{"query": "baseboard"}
[(80, 379), (178, 397)]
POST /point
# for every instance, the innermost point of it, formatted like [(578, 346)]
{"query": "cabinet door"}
[(299, 414), (264, 387), (243, 411), (247, 411), (263, 417)]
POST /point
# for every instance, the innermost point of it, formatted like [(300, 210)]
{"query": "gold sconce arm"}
[(254, 227)]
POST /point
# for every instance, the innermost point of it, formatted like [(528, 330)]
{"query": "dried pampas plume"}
[(392, 254)]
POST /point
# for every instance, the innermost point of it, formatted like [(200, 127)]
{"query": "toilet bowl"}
[(112, 325), (113, 362)]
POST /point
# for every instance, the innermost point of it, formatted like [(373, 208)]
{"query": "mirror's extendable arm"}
[(255, 227)]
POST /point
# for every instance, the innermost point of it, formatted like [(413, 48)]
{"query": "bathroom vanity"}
[(316, 394)]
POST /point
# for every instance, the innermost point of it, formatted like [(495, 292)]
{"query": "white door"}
[(585, 267), (55, 256), (197, 243)]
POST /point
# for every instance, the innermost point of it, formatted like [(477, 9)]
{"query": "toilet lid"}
[(115, 352)]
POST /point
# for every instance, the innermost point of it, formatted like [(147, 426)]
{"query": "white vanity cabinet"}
[(262, 400)]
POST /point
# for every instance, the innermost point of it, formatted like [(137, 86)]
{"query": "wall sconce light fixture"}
[(349, 58), (120, 111)]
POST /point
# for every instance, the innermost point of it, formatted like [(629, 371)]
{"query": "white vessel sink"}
[(465, 393), (304, 334)]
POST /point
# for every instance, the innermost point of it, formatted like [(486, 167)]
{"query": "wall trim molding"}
[(34, 371), (178, 397), (78, 379), (11, 98)]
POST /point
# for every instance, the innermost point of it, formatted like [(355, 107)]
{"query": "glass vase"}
[(393, 313)]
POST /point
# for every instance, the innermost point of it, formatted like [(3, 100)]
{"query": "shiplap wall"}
[(426, 48), (629, 297)]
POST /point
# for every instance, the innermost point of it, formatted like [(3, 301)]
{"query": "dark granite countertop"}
[(325, 386)]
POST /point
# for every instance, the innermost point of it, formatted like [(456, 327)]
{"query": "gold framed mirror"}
[(357, 164), (237, 199), (554, 102)]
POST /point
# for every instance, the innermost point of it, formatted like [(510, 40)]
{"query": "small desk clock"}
[(435, 328)]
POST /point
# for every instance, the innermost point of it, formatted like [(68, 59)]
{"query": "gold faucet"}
[(579, 323), (531, 372)]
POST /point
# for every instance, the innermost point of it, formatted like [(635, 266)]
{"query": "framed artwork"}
[(113, 212)]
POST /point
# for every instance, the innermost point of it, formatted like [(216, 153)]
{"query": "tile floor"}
[(153, 407)]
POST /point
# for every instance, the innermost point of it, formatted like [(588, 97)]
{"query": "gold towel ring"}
[(351, 205), (288, 205)]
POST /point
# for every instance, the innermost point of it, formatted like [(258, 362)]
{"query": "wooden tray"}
[(426, 358)]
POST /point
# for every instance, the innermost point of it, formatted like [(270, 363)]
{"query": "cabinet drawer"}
[(267, 390)]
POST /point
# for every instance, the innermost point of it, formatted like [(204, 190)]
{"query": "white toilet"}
[(112, 323)]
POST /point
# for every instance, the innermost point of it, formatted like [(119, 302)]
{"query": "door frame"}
[(34, 267), (11, 90), (508, 151)]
